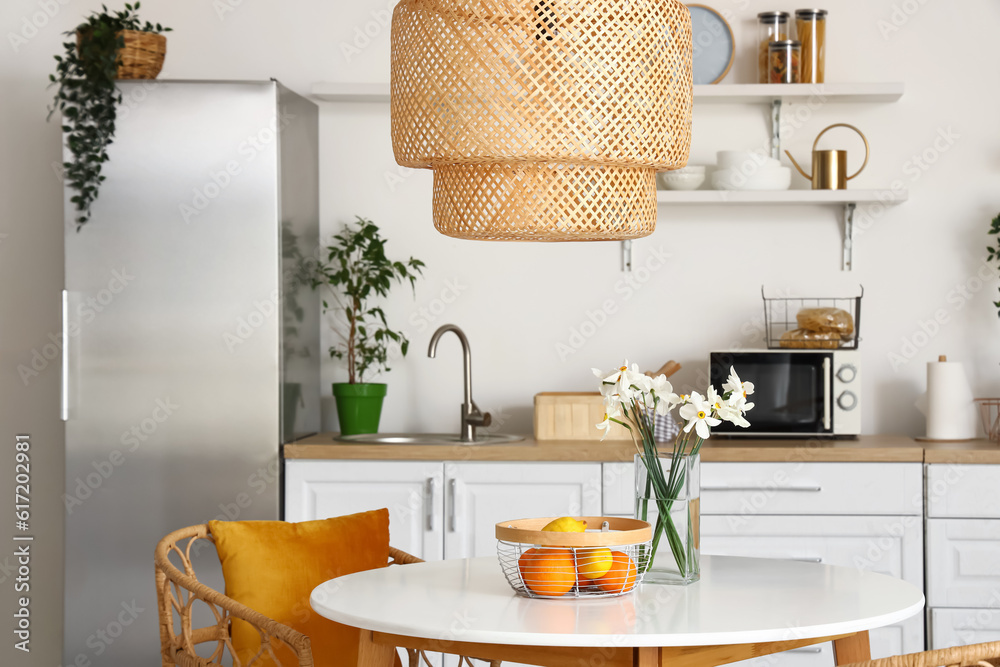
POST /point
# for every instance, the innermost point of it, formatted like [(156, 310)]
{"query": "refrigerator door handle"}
[(64, 377)]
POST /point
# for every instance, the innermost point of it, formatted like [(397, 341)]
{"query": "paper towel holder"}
[(943, 358)]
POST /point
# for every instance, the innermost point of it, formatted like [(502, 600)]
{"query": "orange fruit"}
[(548, 572), (621, 577)]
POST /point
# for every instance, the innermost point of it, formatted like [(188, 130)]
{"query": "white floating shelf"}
[(351, 92), (798, 92), (849, 199), (804, 197), (722, 93)]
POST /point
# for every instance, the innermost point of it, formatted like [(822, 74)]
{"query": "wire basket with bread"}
[(812, 323)]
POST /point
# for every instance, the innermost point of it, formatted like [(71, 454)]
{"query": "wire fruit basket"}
[(989, 412), (605, 562), (783, 324)]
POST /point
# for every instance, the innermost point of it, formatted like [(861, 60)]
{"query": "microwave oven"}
[(797, 393)]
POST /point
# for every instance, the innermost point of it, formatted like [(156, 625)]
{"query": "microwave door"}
[(791, 394)]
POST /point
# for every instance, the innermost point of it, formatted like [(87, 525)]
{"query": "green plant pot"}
[(359, 406)]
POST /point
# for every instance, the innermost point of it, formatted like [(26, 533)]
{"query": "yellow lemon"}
[(566, 524), (594, 563)]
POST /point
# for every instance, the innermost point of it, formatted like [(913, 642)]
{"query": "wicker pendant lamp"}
[(543, 120)]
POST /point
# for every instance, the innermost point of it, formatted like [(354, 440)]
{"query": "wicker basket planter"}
[(546, 564), (141, 56)]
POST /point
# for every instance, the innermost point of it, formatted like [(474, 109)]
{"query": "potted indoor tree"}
[(355, 272), (106, 47)]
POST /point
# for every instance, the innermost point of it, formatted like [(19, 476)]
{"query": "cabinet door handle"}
[(804, 488), (806, 559), (429, 503), (451, 505), (806, 649)]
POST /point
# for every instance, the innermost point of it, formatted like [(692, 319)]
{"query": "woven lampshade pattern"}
[(542, 119)]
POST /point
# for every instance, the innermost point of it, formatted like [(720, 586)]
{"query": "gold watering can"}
[(829, 168)]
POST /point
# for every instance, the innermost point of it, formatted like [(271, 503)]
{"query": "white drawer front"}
[(886, 545), (963, 562), (752, 489), (960, 627), (963, 491)]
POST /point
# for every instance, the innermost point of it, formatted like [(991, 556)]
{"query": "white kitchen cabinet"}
[(860, 515), (963, 491), (959, 627), (963, 559), (479, 495), (963, 554), (441, 509), (411, 490), (789, 488), (891, 545)]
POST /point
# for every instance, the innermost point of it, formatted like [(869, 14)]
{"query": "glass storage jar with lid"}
[(810, 26), (771, 27), (784, 61)]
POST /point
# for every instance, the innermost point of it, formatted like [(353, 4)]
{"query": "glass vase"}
[(674, 557)]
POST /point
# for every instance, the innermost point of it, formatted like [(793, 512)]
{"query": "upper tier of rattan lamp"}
[(543, 120)]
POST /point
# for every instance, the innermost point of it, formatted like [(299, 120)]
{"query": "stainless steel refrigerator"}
[(191, 341)]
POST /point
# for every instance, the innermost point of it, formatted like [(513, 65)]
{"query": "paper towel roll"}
[(951, 410)]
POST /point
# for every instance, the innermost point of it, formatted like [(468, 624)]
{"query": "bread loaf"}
[(803, 339), (826, 320)]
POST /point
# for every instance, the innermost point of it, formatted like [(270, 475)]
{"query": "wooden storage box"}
[(565, 415)]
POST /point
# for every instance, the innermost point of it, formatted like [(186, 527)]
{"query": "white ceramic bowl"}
[(690, 169), (674, 180), (744, 160), (765, 178)]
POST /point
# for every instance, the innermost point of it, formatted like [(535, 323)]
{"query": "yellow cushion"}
[(273, 566)]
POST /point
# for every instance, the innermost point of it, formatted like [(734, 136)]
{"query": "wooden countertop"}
[(867, 448)]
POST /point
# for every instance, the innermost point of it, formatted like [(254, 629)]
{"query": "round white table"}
[(741, 608)]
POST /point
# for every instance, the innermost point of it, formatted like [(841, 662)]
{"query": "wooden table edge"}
[(376, 649)]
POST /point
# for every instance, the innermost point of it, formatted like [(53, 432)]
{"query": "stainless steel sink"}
[(428, 439)]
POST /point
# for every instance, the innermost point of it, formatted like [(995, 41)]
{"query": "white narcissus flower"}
[(713, 398), (698, 414), (736, 386), (733, 413), (665, 399)]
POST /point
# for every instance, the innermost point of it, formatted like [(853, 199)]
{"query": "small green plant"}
[(88, 98), (356, 271), (994, 250)]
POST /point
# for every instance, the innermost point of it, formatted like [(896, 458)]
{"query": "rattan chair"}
[(982, 655), (178, 590)]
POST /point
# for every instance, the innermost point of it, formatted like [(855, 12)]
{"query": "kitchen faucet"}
[(471, 414)]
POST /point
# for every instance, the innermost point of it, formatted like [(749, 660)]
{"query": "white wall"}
[(520, 302)]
